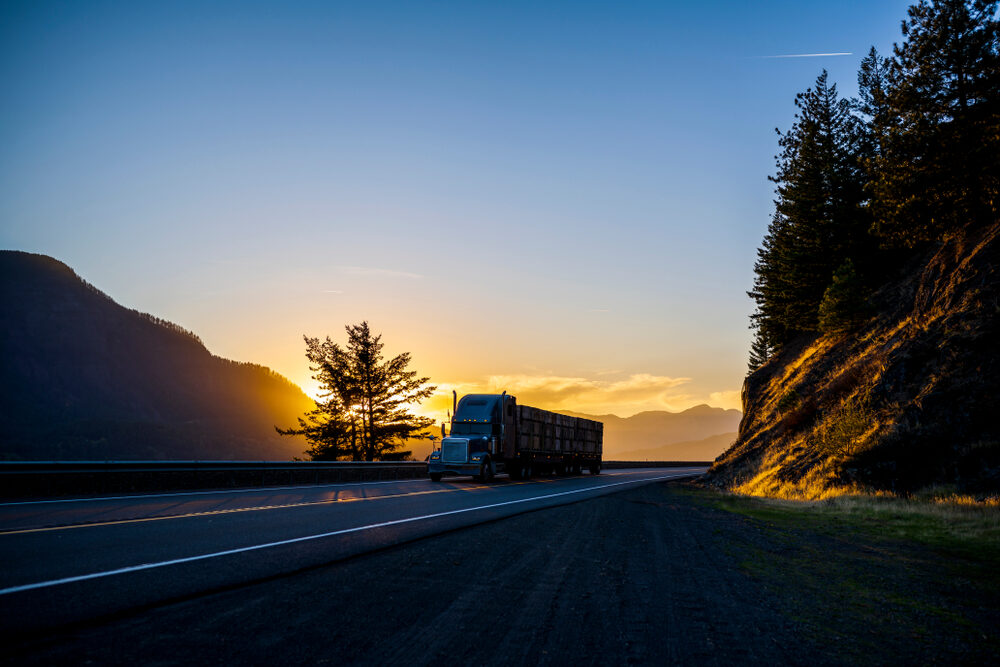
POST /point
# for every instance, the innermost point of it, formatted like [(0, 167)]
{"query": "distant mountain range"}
[(706, 449), (682, 436), (85, 378)]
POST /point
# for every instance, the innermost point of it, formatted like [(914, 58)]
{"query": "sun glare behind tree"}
[(363, 411)]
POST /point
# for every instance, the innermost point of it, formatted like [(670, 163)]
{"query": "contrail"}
[(810, 55)]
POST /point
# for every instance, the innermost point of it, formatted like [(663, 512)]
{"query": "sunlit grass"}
[(939, 518)]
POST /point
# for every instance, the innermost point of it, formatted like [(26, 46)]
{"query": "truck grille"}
[(454, 451)]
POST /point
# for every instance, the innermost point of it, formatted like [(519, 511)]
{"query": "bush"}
[(841, 434), (788, 401)]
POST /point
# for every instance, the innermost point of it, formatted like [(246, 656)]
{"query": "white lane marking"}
[(213, 492), (257, 547)]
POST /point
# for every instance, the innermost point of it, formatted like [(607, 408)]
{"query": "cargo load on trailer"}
[(492, 434)]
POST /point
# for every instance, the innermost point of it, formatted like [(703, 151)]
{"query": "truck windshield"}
[(458, 428)]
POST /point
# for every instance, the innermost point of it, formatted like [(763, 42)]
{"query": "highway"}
[(78, 559)]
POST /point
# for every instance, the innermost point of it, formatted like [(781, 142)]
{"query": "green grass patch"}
[(873, 576), (964, 530)]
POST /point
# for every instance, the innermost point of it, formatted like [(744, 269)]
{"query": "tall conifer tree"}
[(818, 221), (363, 414), (939, 170)]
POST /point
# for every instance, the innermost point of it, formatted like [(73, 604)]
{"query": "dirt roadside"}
[(654, 575)]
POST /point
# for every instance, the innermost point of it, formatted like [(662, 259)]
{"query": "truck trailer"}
[(492, 434)]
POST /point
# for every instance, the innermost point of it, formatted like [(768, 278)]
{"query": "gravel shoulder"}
[(658, 574)]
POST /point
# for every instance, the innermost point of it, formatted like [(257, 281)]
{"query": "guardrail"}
[(57, 478), (46, 479)]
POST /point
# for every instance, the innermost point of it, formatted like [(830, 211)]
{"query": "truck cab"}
[(481, 430)]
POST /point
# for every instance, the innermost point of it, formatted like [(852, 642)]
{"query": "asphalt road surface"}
[(67, 561)]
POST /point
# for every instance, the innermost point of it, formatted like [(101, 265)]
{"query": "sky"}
[(562, 200)]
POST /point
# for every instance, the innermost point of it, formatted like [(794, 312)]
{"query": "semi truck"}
[(492, 434)]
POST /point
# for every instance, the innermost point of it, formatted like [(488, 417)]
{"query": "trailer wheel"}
[(514, 470), (595, 468), (435, 477)]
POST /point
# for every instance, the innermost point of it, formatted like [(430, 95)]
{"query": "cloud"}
[(810, 55), (371, 272), (625, 397), (333, 291)]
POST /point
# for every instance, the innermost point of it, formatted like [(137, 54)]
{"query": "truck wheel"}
[(485, 472), (595, 468), (435, 477), (514, 470)]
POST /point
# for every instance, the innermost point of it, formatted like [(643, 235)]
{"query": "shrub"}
[(841, 434), (788, 401)]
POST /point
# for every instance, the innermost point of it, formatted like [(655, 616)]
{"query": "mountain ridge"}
[(704, 449), (88, 378), (653, 429)]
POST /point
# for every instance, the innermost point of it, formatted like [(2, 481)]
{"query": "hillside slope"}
[(907, 401), (85, 378)]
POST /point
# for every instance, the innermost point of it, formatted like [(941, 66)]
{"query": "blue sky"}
[(559, 199)]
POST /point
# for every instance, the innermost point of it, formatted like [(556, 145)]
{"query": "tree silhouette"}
[(818, 222), (939, 168), (363, 413)]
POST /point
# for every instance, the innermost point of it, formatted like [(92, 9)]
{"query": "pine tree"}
[(363, 414), (771, 292), (939, 169), (872, 105), (818, 220), (845, 301), (760, 350)]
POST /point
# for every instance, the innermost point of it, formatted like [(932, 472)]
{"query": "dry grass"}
[(937, 517), (770, 481)]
